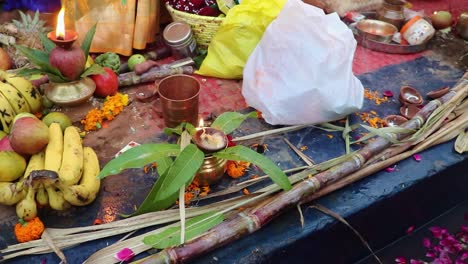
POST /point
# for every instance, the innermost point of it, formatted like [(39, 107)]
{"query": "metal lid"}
[(177, 32)]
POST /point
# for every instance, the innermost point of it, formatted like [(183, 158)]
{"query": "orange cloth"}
[(121, 24)]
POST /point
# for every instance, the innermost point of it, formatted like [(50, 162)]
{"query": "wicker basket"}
[(203, 27)]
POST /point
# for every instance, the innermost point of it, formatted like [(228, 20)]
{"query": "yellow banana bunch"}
[(64, 174), (54, 150), (9, 195), (17, 95), (72, 158), (86, 191)]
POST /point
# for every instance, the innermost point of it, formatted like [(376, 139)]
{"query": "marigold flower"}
[(29, 230)]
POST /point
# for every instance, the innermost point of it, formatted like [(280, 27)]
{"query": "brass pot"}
[(211, 170), (70, 93), (392, 12)]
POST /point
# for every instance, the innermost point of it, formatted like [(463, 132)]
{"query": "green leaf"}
[(140, 156), (28, 72), (165, 191), (183, 169), (242, 153), (179, 129), (41, 60), (92, 70), (88, 40), (194, 227), (230, 121), (47, 43)]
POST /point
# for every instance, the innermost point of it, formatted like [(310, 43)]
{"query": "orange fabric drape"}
[(121, 24)]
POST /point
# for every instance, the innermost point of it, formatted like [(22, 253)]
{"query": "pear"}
[(29, 135)]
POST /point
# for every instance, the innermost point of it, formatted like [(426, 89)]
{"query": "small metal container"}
[(376, 30), (179, 37), (392, 12), (211, 170)]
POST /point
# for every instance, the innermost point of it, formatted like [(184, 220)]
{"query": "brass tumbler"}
[(211, 171)]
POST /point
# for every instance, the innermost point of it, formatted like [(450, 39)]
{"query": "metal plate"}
[(392, 48)]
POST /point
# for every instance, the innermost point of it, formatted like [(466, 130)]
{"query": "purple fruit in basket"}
[(209, 11), (197, 4)]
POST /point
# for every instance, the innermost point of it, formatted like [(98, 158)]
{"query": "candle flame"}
[(201, 123), (60, 30)]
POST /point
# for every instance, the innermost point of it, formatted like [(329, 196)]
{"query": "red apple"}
[(106, 83)]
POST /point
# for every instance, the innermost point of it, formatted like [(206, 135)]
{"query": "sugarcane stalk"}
[(131, 78), (157, 54), (445, 133), (246, 223)]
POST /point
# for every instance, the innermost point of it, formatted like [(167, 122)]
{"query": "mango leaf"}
[(140, 156), (47, 43), (165, 191), (242, 153), (183, 169), (41, 60), (194, 227), (230, 121), (178, 129), (92, 70), (28, 72), (88, 40)]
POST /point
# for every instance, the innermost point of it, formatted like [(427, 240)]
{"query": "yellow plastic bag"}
[(237, 37), (121, 24)]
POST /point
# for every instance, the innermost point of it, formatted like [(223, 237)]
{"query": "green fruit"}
[(12, 166), (2, 134), (57, 117), (134, 60)]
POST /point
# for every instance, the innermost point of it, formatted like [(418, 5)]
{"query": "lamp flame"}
[(60, 30), (201, 123)]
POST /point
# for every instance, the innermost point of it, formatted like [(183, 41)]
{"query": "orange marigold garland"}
[(29, 230), (113, 105)]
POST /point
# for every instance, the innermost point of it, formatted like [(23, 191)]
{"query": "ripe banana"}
[(6, 114), (36, 162), (86, 191), (54, 150), (41, 196), (9, 195), (16, 100), (72, 157), (27, 90), (27, 208), (56, 200)]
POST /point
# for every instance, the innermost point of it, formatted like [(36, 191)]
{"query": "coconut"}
[(29, 135), (70, 62)]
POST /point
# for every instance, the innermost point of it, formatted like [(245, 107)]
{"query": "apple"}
[(106, 83), (441, 19)]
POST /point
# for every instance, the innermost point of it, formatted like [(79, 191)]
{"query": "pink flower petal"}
[(417, 157), (426, 242), (388, 93), (125, 254), (400, 260), (464, 256), (410, 229), (390, 169)]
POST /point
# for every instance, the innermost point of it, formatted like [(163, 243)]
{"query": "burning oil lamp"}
[(61, 37), (70, 60), (210, 140)]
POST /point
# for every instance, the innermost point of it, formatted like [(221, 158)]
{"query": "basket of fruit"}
[(202, 15)]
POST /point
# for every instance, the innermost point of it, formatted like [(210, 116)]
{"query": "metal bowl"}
[(376, 30)]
